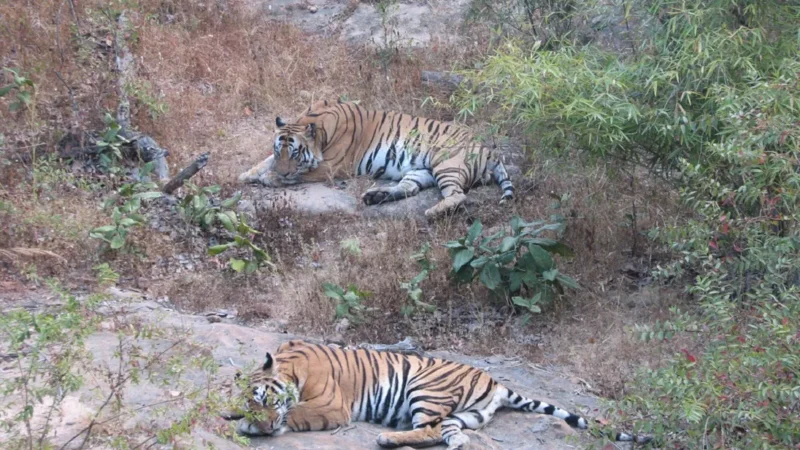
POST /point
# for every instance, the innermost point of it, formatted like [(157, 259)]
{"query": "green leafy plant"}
[(242, 240), (110, 146), (126, 216), (106, 276), (348, 301), (517, 263), (198, 207), (22, 86), (413, 287)]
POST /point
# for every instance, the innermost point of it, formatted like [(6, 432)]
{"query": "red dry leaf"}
[(689, 356)]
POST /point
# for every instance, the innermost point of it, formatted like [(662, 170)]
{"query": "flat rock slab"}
[(410, 23), (321, 198), (234, 346)]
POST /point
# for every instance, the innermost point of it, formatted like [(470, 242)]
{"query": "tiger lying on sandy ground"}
[(310, 387), (339, 140)]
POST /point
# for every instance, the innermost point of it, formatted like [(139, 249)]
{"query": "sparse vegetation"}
[(624, 109), (414, 287)]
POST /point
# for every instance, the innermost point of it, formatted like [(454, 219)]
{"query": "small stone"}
[(312, 9), (214, 319)]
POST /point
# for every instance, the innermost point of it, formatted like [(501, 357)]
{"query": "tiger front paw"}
[(385, 440), (375, 196)]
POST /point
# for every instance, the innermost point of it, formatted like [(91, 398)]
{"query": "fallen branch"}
[(407, 346), (187, 172), (444, 79)]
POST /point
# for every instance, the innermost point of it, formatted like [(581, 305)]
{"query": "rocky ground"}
[(232, 346)]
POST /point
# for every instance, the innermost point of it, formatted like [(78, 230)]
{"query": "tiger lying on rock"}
[(309, 387), (339, 140)]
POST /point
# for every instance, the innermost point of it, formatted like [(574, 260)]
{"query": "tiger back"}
[(344, 139)]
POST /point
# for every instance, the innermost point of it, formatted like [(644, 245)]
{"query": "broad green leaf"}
[(6, 89), (217, 249), (226, 222), (231, 202), (490, 275), (208, 219), (474, 231), (238, 265), (485, 241), (505, 258), (350, 297), (568, 282), (520, 301), (509, 243), (24, 97), (514, 281), (462, 257), (260, 254), (552, 246), (104, 229), (530, 278), (420, 276), (541, 258), (117, 242), (128, 222), (550, 275), (454, 244), (479, 262), (333, 291), (342, 310)]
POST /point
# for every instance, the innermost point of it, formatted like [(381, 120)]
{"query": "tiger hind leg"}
[(451, 186), (419, 437), (411, 184), (500, 176)]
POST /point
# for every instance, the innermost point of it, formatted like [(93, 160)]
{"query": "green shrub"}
[(710, 102), (349, 302), (519, 263), (125, 215)]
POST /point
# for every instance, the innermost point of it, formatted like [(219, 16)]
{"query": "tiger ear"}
[(279, 122), (267, 363), (311, 130)]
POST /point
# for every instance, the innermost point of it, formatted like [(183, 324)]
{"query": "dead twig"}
[(187, 172)]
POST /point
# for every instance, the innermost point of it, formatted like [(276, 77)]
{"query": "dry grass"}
[(224, 75)]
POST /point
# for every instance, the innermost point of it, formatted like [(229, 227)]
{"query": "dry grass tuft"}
[(24, 252)]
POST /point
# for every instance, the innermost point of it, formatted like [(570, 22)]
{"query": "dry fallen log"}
[(187, 172), (443, 79), (407, 346)]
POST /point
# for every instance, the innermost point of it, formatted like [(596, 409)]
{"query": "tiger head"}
[(266, 410), (296, 150)]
